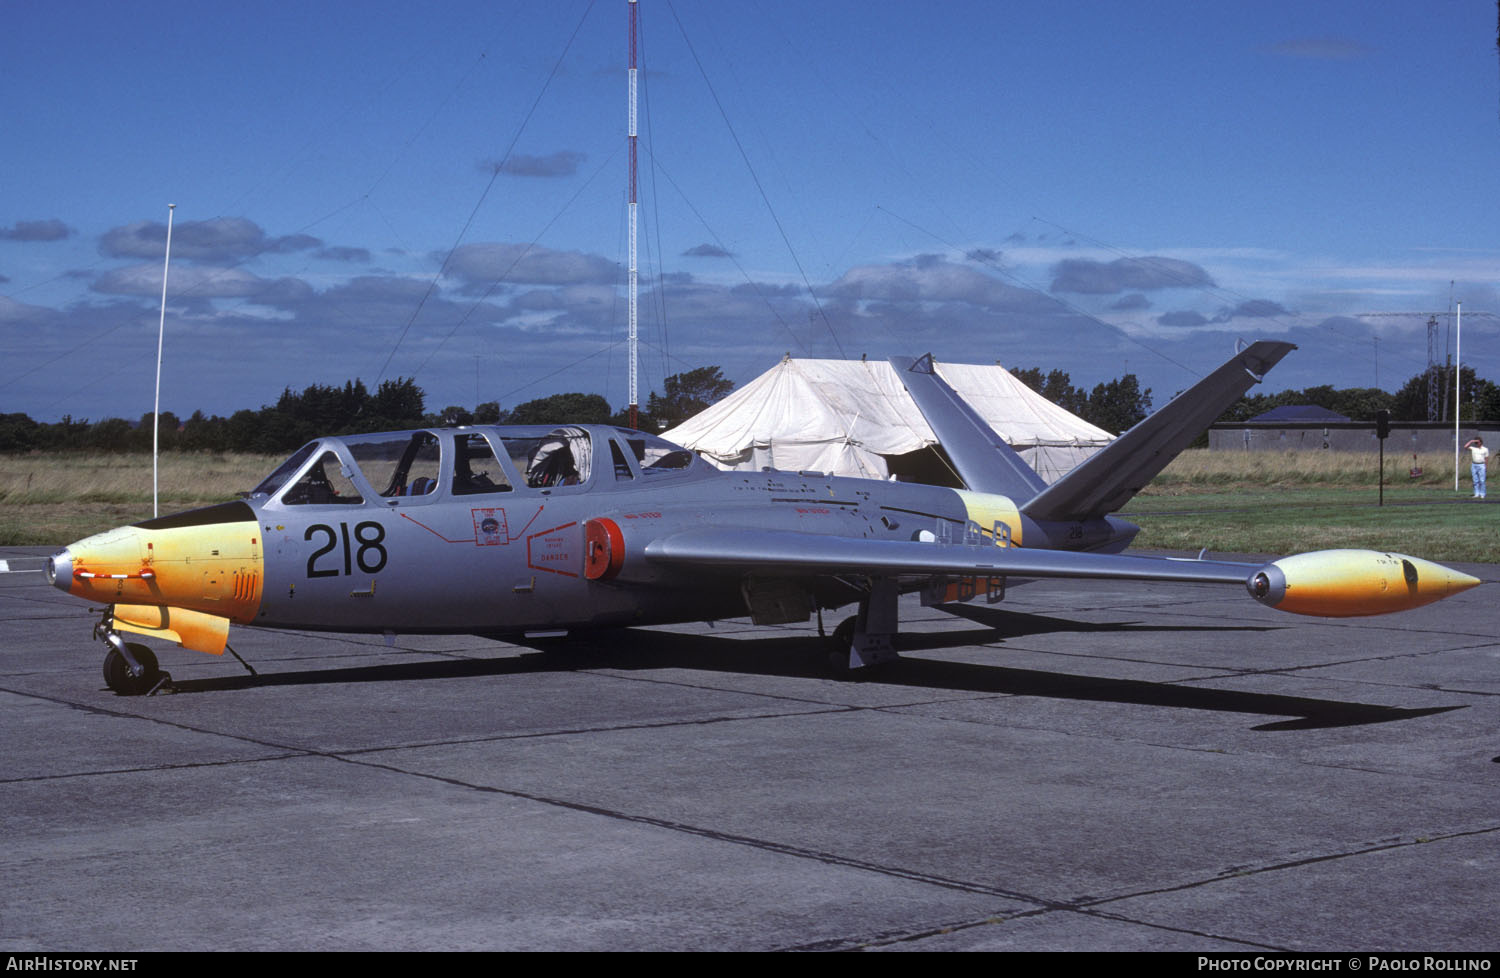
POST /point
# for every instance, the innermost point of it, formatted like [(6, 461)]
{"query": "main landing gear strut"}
[(868, 638), (130, 668)]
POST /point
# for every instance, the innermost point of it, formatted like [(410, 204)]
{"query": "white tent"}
[(851, 417)]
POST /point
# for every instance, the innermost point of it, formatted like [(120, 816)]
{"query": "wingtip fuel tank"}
[(1354, 583)]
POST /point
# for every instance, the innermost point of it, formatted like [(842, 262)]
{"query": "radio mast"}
[(634, 399)]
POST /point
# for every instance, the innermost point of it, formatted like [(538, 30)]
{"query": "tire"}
[(117, 671), (837, 648)]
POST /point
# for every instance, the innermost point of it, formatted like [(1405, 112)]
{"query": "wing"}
[(1329, 583), (789, 552)]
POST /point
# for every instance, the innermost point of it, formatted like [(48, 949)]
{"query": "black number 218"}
[(369, 537)]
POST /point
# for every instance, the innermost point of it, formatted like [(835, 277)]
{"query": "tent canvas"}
[(852, 417)]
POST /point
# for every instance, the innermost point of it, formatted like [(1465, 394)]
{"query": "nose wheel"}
[(119, 676), (130, 668)]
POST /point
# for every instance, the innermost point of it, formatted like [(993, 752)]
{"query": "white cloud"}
[(1145, 274), (220, 239), (196, 280), (480, 265)]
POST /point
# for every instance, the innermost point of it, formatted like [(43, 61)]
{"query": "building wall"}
[(1349, 436)]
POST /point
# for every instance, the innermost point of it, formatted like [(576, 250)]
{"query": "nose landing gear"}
[(130, 669)]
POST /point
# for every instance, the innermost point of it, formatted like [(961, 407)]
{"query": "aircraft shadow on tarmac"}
[(803, 657)]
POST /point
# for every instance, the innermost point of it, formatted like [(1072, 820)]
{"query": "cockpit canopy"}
[(421, 466)]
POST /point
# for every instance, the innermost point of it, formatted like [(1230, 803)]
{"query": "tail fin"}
[(1110, 478), (983, 460)]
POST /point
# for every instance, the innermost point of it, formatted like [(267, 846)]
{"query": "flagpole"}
[(161, 330), (1458, 380)]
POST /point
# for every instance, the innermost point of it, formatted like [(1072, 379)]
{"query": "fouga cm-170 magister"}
[(516, 530)]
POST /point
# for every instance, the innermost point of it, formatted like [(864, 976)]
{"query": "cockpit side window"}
[(324, 483), (563, 457), (657, 456), (475, 468), (520, 451), (623, 470), (661, 463), (404, 464)]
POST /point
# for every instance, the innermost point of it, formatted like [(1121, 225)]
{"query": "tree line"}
[(298, 417), (1478, 400), (1117, 405)]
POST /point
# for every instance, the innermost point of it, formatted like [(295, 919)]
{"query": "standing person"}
[(1478, 455)]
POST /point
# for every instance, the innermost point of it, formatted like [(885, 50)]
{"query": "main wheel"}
[(840, 644), (837, 646), (117, 671)]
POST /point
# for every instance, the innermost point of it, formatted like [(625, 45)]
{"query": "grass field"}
[(1262, 502), (55, 498), (1229, 502)]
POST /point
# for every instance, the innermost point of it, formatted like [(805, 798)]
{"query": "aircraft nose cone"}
[(60, 569)]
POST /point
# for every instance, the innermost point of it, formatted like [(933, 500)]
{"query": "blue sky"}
[(1095, 186)]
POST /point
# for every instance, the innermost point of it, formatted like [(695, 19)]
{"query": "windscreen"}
[(284, 471)]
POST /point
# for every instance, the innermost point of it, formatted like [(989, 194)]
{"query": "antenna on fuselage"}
[(161, 330)]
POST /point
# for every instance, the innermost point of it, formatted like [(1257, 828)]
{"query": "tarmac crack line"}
[(154, 768), (575, 731), (288, 751), (833, 706), (1221, 672), (1174, 607), (887, 939), (1189, 748), (1360, 660), (1365, 850), (293, 751), (686, 828), (1092, 907)]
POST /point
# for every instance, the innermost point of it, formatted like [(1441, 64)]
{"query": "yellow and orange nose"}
[(1351, 583), (206, 560)]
